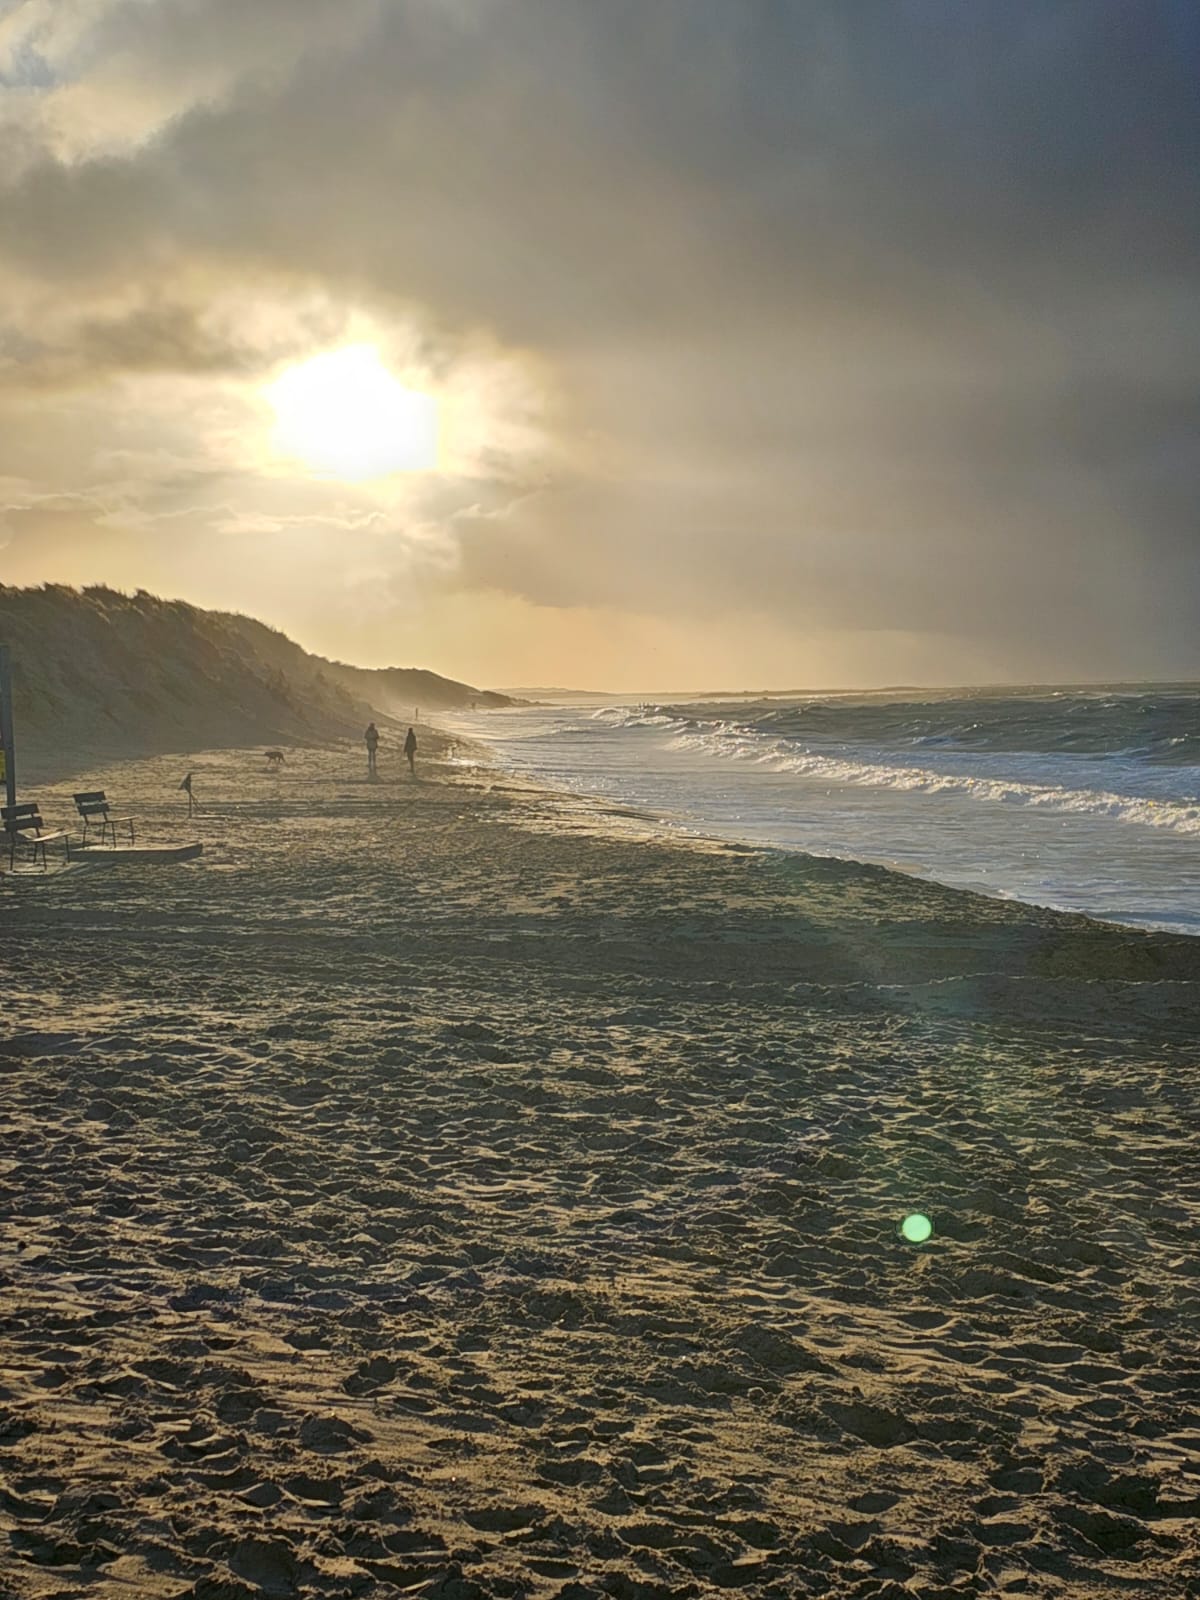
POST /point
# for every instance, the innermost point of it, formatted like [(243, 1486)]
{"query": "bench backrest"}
[(92, 804), (17, 818)]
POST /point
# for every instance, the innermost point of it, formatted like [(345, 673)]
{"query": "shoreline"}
[(443, 746), (1113, 857), (448, 1187), (662, 829)]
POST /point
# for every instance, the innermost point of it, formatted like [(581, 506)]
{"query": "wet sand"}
[(452, 1189)]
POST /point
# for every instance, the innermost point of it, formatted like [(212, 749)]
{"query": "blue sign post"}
[(8, 758)]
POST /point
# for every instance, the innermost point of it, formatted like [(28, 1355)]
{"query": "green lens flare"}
[(916, 1228)]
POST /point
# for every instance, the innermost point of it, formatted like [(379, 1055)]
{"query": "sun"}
[(345, 416)]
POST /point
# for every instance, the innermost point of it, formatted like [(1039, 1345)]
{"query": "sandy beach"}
[(451, 1188)]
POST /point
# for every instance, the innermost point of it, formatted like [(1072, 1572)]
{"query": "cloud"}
[(885, 322), (104, 76)]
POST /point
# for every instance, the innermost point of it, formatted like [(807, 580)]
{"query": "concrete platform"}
[(123, 854)]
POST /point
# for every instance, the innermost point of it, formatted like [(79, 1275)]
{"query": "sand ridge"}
[(450, 1189)]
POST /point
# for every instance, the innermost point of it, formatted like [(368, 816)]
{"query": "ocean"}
[(1086, 800)]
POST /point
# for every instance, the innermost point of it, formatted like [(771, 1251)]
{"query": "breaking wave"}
[(1127, 758)]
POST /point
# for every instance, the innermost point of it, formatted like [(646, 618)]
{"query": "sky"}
[(767, 343)]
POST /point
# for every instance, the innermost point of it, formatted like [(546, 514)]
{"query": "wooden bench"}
[(94, 805), (24, 825)]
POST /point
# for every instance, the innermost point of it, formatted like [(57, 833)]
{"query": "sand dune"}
[(444, 1188), (97, 673)]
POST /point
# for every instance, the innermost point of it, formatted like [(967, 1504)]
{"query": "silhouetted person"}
[(372, 740), (410, 750), (186, 786)]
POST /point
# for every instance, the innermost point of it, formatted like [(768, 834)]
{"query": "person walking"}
[(410, 750), (372, 741)]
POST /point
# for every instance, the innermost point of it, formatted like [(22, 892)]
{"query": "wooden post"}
[(8, 755)]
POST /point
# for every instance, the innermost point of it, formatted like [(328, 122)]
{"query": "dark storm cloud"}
[(799, 146), (884, 314), (152, 337)]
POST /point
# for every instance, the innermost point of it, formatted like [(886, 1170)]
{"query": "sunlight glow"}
[(345, 416)]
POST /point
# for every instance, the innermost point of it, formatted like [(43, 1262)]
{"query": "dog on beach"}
[(275, 758)]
